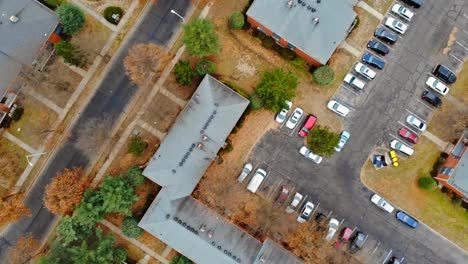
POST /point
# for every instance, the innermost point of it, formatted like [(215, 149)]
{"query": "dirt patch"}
[(452, 38), (399, 186), (99, 6), (161, 114), (152, 242), (36, 122), (367, 24), (380, 5), (12, 164)]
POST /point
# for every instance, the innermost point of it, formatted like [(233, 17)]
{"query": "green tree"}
[(200, 38), (237, 20), (90, 209), (427, 183), (180, 260), (183, 73), (130, 227), (113, 14), (322, 141), (71, 17), (205, 67), (275, 87), (69, 52), (324, 75), (118, 195), (70, 230), (134, 176), (137, 146)]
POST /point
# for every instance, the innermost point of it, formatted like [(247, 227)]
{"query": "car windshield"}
[(397, 24), (398, 145), (335, 106)]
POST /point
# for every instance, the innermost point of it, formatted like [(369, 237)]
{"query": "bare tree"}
[(12, 208)]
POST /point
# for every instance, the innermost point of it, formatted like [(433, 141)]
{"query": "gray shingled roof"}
[(296, 25), (20, 41), (459, 177), (174, 216)]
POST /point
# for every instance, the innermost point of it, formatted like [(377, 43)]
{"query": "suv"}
[(309, 124), (332, 228), (358, 242), (373, 61), (378, 47), (414, 3), (385, 35), (445, 74), (431, 98)]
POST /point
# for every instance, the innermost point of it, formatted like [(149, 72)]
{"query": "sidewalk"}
[(371, 10), (439, 142)]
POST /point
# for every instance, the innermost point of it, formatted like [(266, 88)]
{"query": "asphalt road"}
[(103, 111), (335, 184)]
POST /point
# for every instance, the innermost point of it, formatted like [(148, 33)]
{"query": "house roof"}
[(459, 177), (295, 24), (21, 40), (179, 163)]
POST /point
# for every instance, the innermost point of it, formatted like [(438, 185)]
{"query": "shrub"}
[(456, 200), (69, 52), (205, 67), (71, 17), (444, 155), (237, 20), (113, 14), (268, 42), (276, 87), (200, 38), (136, 146), (180, 260), (322, 141), (183, 73), (17, 114), (324, 75), (287, 54), (130, 227), (256, 102), (134, 176), (427, 183)]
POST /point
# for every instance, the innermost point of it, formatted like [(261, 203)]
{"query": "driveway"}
[(375, 117), (103, 111)]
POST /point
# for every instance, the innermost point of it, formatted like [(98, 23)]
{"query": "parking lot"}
[(377, 113)]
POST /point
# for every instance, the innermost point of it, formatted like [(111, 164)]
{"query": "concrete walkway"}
[(371, 10), (346, 46), (173, 97), (439, 142), (44, 100), (166, 251), (92, 13), (160, 135), (75, 69), (18, 142)]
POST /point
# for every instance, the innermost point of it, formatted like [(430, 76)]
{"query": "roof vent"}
[(262, 259), (318, 1), (290, 3), (309, 7), (316, 20), (204, 138), (200, 145), (14, 19)]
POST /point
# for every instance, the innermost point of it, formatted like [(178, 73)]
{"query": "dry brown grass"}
[(380, 5), (161, 113), (12, 164), (360, 35)]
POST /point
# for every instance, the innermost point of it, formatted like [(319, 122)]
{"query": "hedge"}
[(427, 183), (130, 227), (324, 75), (205, 67), (111, 10), (237, 20), (256, 102)]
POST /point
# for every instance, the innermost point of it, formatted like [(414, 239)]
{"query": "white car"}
[(332, 228), (403, 12), (245, 172), (354, 81), (437, 85), (295, 202), (381, 203), (364, 71), (306, 212), (309, 155), (397, 145), (281, 116), (338, 108), (344, 137), (396, 25), (294, 118), (256, 180), (416, 123)]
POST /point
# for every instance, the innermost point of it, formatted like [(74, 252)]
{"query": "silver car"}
[(306, 212), (344, 137)]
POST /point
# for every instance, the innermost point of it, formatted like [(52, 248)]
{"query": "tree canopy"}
[(118, 195), (324, 75), (237, 20), (71, 17), (322, 141), (180, 260), (12, 208), (183, 72), (200, 38), (275, 87), (26, 248), (130, 227), (70, 53)]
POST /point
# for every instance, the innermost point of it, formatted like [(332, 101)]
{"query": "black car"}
[(378, 47), (414, 3), (445, 74), (394, 260), (386, 35), (431, 98), (373, 61), (358, 242)]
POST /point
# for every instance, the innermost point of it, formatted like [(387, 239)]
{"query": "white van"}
[(354, 81), (256, 180)]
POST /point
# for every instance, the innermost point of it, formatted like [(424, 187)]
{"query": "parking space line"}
[(375, 249), (465, 16), (394, 136), (276, 187), (464, 31), (388, 255), (415, 115), (455, 57), (315, 209), (329, 214), (461, 44), (401, 261), (407, 127), (350, 89), (424, 103)]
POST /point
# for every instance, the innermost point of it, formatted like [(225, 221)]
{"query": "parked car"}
[(408, 135), (281, 116), (308, 125), (282, 196), (385, 35), (358, 242), (338, 108), (414, 3), (431, 98), (394, 260), (344, 137), (306, 211), (308, 154), (378, 47), (373, 61), (397, 145), (294, 203), (437, 85), (245, 172), (402, 12), (344, 237), (381, 203), (364, 71), (256, 180), (416, 123), (332, 228), (354, 81), (319, 217), (405, 218), (294, 118), (396, 25), (444, 73)]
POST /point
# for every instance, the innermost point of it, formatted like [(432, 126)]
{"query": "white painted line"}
[(341, 222), (461, 45), (407, 127), (388, 255), (329, 214), (315, 209), (456, 58), (350, 89), (425, 104), (465, 16), (401, 261), (415, 115), (394, 136), (354, 229), (464, 31), (375, 249)]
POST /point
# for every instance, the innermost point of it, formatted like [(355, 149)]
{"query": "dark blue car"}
[(373, 61), (405, 218)]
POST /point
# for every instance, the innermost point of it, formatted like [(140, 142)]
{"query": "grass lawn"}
[(434, 208), (367, 24), (460, 88), (380, 5), (12, 163)]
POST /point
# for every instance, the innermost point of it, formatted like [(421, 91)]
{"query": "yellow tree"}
[(65, 191), (26, 248), (12, 208)]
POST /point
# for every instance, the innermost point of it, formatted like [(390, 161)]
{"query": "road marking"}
[(425, 104), (354, 229), (456, 58), (461, 44), (341, 222), (375, 249), (394, 137), (329, 214), (350, 89), (464, 31), (407, 127), (315, 209), (388, 255), (401, 261), (422, 119), (465, 16)]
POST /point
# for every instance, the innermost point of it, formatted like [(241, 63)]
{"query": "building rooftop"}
[(459, 177), (24, 27), (295, 23)]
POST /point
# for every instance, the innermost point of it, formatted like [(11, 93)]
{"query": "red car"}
[(408, 135), (282, 196), (309, 124), (344, 237)]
